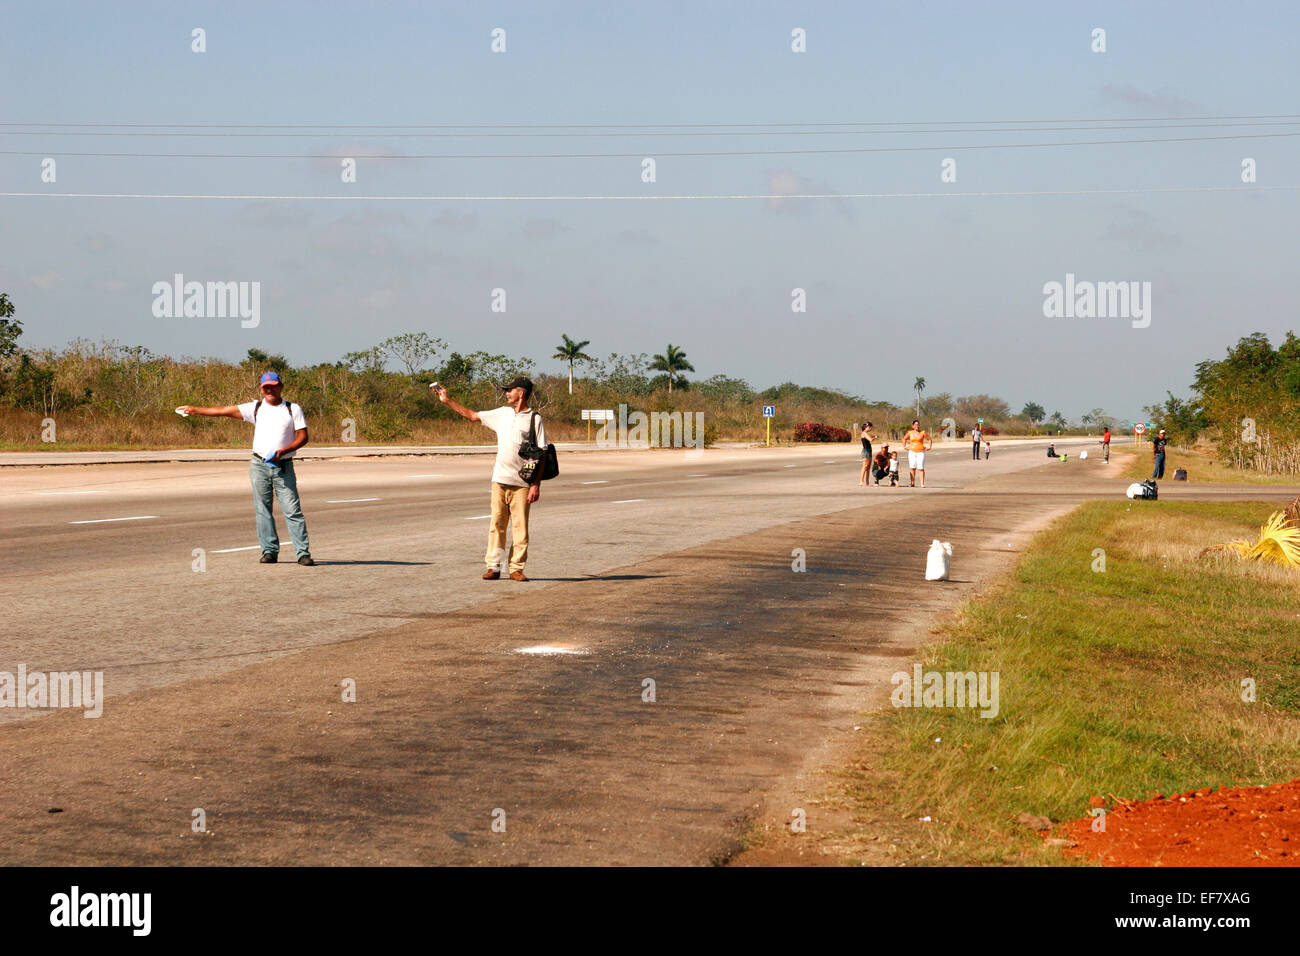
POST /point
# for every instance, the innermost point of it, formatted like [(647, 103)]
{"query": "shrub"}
[(815, 431)]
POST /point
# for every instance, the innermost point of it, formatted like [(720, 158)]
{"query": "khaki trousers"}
[(509, 504)]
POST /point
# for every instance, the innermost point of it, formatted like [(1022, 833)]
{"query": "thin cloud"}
[(98, 242), (268, 215), (786, 182), (1128, 95), (637, 237), (1141, 229), (45, 280), (453, 221), (544, 228)]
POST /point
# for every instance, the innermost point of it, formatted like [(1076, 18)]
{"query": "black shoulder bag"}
[(540, 464)]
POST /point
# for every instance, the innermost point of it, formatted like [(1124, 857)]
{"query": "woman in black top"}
[(868, 436)]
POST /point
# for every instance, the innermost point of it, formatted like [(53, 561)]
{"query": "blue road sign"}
[(769, 411)]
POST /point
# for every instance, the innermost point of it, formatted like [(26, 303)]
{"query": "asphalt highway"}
[(666, 682), (98, 562)]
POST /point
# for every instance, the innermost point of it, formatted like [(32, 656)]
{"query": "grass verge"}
[(1124, 681), (1202, 464)]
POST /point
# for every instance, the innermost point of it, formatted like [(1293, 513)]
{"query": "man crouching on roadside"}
[(511, 495)]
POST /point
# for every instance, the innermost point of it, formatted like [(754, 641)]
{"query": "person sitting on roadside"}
[(1051, 451), (880, 463)]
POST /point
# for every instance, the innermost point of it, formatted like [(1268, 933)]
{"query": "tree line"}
[(1247, 403)]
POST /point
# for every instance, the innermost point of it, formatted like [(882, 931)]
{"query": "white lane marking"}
[(477, 517), (792, 466), (697, 476), (70, 492), (424, 476), (601, 482), (628, 501), (106, 520), (828, 463), (549, 649), (230, 550), (349, 501)]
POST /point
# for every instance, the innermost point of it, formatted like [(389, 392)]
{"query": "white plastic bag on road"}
[(939, 561), (1134, 490)]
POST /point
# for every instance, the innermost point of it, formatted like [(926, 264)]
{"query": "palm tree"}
[(571, 352), (673, 362), (919, 385)]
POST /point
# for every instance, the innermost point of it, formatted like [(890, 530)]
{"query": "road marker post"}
[(769, 413), (590, 415)]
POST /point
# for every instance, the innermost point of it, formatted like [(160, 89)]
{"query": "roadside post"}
[(590, 415), (1139, 429), (769, 413)]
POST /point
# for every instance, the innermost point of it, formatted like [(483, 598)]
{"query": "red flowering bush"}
[(815, 431)]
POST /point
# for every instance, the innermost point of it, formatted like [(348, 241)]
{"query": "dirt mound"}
[(1245, 826)]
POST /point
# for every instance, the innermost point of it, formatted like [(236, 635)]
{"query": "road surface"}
[(494, 722)]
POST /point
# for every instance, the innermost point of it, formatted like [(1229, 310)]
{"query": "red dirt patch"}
[(1245, 826)]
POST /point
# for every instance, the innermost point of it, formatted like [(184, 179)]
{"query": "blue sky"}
[(946, 288)]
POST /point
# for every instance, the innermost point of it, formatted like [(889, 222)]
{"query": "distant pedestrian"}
[(868, 436), (918, 442), (511, 495), (975, 435), (987, 448), (1158, 449), (279, 430), (1105, 444)]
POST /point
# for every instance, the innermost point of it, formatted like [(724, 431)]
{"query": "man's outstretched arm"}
[(455, 406), (218, 411)]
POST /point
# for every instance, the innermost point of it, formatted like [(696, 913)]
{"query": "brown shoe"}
[(517, 576), (491, 574)]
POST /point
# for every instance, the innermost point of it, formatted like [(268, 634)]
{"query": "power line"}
[(908, 132), (954, 147), (652, 198), (641, 126)]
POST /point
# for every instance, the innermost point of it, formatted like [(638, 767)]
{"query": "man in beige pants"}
[(511, 495)]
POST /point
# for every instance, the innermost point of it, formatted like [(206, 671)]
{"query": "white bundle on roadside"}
[(938, 561)]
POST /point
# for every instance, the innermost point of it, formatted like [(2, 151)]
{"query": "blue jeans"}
[(280, 478), (1158, 472)]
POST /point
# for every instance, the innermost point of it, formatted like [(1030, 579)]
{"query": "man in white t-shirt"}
[(511, 495), (279, 430)]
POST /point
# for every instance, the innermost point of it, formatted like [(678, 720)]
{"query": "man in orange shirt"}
[(918, 442)]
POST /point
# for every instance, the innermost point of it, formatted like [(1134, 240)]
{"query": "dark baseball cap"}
[(518, 381)]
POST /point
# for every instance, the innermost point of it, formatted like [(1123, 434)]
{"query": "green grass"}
[(1201, 463), (1124, 682)]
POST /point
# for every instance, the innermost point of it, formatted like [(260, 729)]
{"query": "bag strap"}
[(532, 429), (288, 407)]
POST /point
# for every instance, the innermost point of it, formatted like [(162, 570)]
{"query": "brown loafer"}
[(517, 576), (491, 574)]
